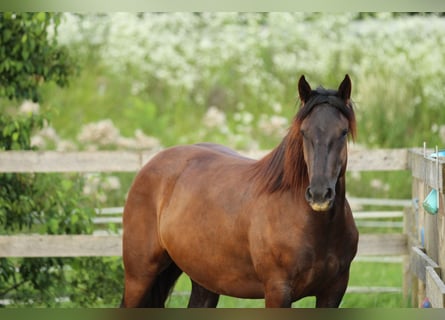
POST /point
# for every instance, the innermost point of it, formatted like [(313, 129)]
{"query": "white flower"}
[(273, 125), (140, 141), (111, 183), (29, 107), (65, 145), (214, 118), (46, 136), (38, 142), (102, 133)]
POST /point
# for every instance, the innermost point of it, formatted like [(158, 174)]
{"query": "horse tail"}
[(161, 288)]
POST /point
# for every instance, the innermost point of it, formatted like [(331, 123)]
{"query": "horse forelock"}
[(328, 97)]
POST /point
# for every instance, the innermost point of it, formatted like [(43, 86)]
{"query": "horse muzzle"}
[(320, 199), (321, 207)]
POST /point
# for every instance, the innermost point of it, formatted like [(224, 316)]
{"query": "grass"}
[(363, 274)]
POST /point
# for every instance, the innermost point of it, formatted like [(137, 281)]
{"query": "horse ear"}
[(344, 90), (304, 89)]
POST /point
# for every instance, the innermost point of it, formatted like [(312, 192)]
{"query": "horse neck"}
[(340, 190), (295, 172), (284, 168)]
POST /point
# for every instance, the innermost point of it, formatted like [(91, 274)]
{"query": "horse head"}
[(326, 119)]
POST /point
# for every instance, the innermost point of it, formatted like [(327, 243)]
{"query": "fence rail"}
[(111, 245), (131, 161), (372, 247)]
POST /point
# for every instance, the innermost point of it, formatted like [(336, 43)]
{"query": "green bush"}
[(28, 57), (39, 202), (49, 204)]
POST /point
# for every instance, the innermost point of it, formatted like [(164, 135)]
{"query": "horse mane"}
[(284, 168)]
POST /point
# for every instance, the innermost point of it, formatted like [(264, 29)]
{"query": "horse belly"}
[(203, 224), (212, 251)]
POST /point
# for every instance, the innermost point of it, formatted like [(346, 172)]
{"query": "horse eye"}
[(303, 133), (344, 133)]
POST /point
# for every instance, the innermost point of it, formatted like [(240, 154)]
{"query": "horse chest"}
[(325, 267), (313, 275)]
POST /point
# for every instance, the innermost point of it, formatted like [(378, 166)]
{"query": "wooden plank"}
[(365, 159), (410, 226), (110, 210), (110, 245), (380, 202), (60, 246), (379, 224), (378, 160), (390, 244), (431, 236), (369, 289), (52, 161), (356, 214), (420, 261), (441, 231), (380, 259), (427, 169), (132, 161), (435, 288), (377, 214), (106, 220)]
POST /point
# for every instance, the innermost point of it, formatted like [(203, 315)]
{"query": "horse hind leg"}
[(149, 271), (151, 292), (202, 298), (162, 287)]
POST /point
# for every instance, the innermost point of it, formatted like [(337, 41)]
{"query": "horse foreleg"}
[(202, 298), (278, 294), (136, 289), (332, 296)]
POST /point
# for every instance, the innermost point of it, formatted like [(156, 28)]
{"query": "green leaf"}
[(25, 54), (15, 136), (67, 184), (53, 226), (41, 16), (7, 34)]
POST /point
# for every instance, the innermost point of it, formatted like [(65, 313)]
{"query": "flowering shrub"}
[(104, 134), (180, 61)]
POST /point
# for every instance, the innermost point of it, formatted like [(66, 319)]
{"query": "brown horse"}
[(279, 228)]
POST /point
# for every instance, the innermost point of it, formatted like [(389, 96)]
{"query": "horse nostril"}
[(319, 195), (329, 195), (308, 194)]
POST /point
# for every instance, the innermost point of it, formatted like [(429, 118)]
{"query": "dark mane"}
[(284, 167)]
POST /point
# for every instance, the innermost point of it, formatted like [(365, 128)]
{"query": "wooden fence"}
[(426, 231), (124, 161), (370, 245)]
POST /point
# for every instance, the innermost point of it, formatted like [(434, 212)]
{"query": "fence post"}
[(428, 265)]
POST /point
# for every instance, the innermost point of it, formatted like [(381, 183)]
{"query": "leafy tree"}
[(43, 203), (29, 56)]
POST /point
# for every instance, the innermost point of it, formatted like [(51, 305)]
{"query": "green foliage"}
[(29, 56), (16, 131), (43, 203), (49, 204)]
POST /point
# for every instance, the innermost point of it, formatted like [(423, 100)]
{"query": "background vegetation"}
[(143, 81)]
